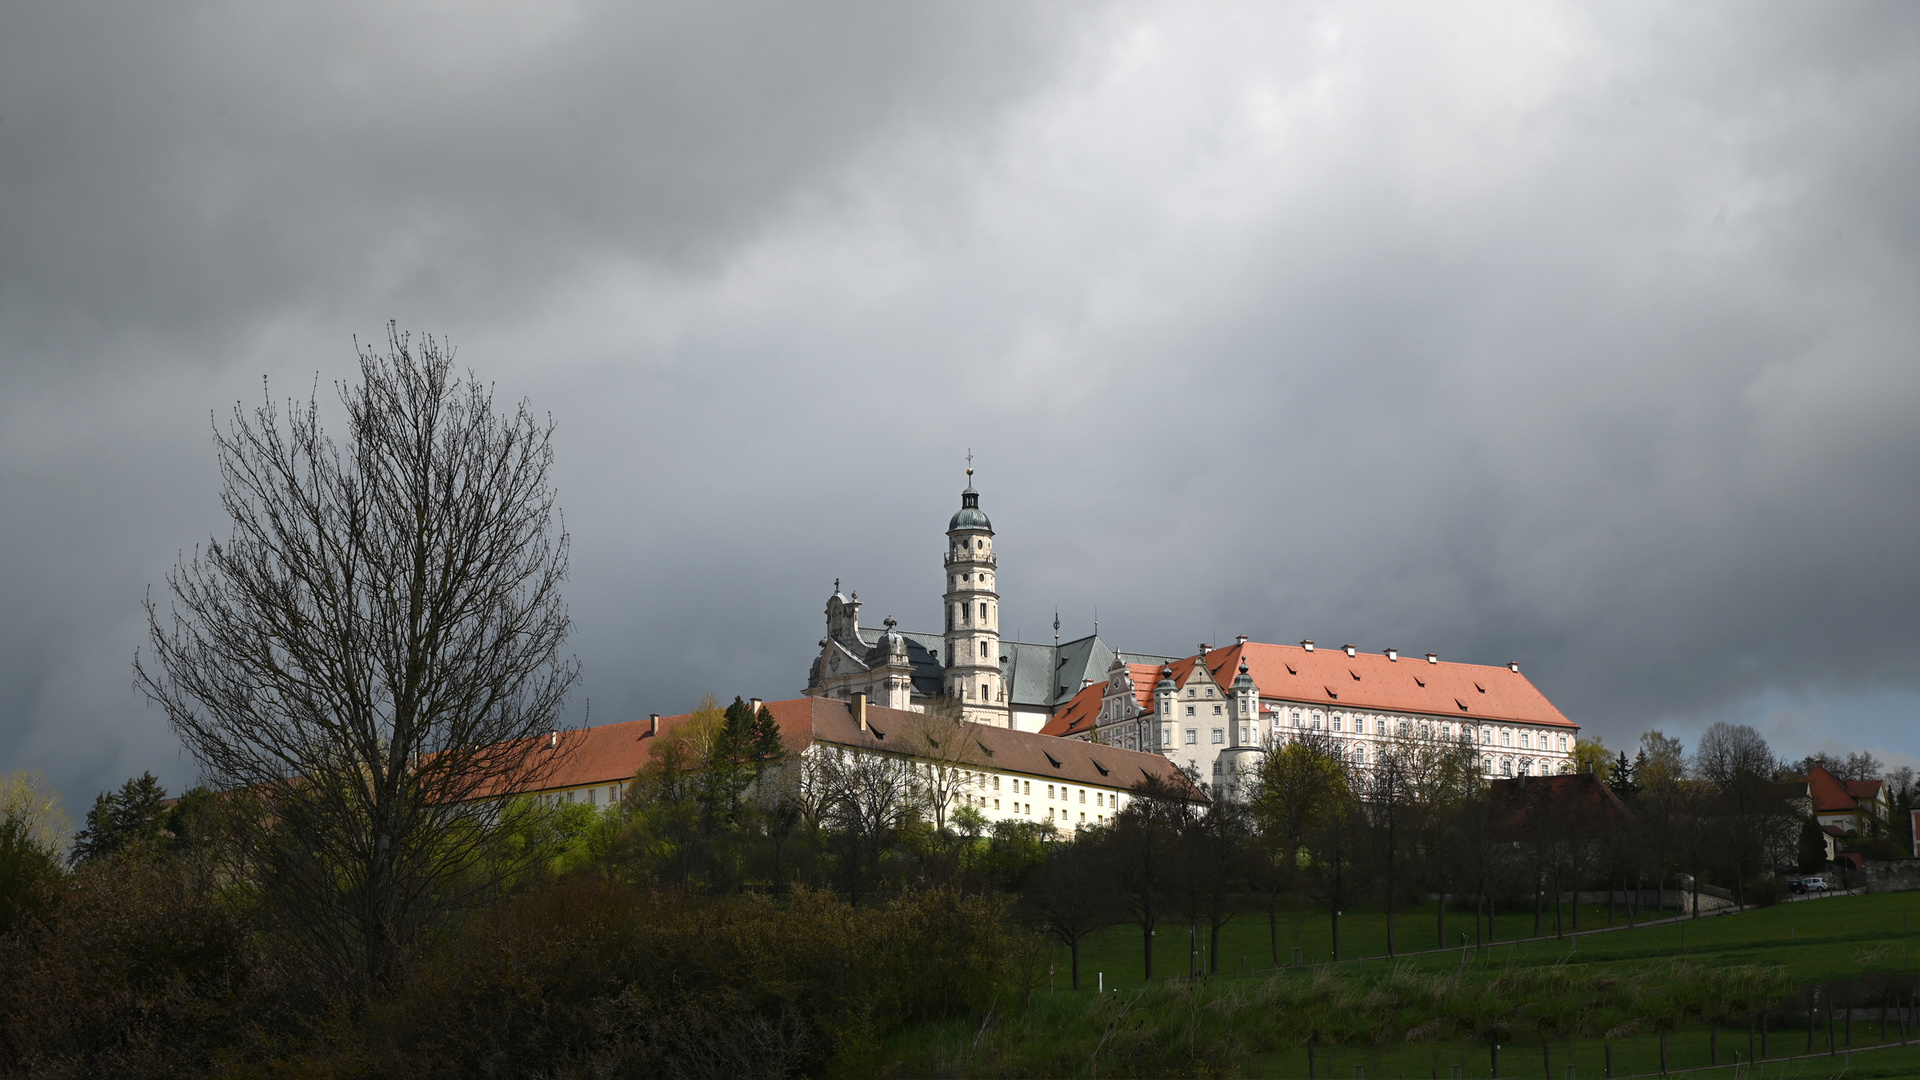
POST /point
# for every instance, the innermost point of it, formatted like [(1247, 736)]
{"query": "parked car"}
[(1814, 884)]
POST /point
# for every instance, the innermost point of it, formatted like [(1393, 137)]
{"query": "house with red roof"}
[(1848, 807), (1004, 774)]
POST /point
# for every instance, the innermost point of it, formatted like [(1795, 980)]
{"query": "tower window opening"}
[(983, 691), (983, 612)]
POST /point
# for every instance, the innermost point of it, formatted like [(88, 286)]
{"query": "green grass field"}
[(1828, 937), (1617, 986)]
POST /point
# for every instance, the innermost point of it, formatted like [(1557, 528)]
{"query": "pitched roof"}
[(1831, 795), (1001, 749), (1077, 716), (613, 753), (1863, 789), (1331, 678)]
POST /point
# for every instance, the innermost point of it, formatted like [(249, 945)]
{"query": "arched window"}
[(1506, 766)]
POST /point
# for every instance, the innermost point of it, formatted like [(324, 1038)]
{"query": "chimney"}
[(860, 708), (1513, 666), (1350, 649), (653, 723), (754, 704), (1241, 638), (1307, 644), (1433, 658), (1393, 655)]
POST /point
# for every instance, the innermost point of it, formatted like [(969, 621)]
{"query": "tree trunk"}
[(1336, 933)]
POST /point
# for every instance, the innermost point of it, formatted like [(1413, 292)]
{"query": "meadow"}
[(1555, 1006)]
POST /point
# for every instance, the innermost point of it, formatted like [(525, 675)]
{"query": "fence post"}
[(1713, 1043), (1609, 1047), (1496, 1061), (1663, 1053)]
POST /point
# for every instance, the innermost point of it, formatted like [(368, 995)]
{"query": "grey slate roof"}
[(1038, 676)]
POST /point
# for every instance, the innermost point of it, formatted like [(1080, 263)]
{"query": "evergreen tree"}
[(120, 819), (1620, 779), (764, 742)]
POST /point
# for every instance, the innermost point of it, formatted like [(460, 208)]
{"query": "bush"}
[(1764, 891), (591, 978), (136, 971)]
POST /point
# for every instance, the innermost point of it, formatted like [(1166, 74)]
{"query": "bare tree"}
[(1736, 760), (868, 798), (374, 652), (948, 750)]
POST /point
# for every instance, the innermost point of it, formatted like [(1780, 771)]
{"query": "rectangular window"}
[(1083, 817), (996, 804), (593, 796), (1049, 791), (996, 786), (1166, 735), (1189, 710), (1193, 736), (1216, 766), (983, 612), (1219, 736), (1083, 794), (1029, 787)]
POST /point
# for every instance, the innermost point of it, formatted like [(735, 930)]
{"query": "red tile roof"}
[(1371, 681), (1831, 795), (1078, 715), (613, 753)]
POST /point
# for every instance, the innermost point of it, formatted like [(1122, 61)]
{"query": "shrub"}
[(136, 971), (591, 978)]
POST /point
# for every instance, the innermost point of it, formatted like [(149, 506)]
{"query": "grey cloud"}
[(1580, 336)]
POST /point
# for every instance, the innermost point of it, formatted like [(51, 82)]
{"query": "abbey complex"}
[(1064, 734), (1209, 713)]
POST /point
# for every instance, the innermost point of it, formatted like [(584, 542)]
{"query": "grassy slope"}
[(1814, 941), (1806, 936)]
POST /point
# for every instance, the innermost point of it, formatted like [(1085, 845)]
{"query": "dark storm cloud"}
[(1582, 336)]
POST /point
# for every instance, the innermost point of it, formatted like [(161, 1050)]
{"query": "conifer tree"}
[(120, 819), (1620, 779)]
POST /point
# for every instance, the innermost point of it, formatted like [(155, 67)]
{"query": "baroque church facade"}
[(1212, 713), (1001, 683)]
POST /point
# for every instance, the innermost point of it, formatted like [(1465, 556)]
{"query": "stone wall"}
[(1893, 875)]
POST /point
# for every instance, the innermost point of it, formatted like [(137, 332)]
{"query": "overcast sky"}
[(1584, 336)]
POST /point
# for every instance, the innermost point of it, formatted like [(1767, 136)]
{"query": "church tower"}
[(973, 674)]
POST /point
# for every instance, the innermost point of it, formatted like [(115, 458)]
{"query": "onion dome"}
[(970, 516)]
